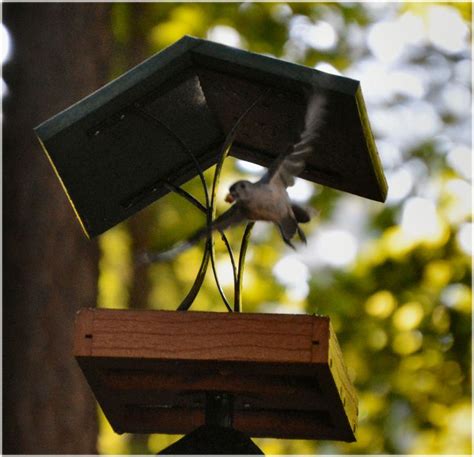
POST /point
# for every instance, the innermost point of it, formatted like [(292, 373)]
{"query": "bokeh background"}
[(395, 278)]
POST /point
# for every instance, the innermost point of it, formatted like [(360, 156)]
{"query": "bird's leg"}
[(301, 235), (289, 243), (285, 238)]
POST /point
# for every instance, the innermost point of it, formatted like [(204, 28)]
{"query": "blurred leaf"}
[(402, 310)]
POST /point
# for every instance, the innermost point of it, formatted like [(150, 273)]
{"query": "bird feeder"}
[(145, 134), (152, 371)]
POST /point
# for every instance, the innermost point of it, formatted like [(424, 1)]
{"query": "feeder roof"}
[(115, 150)]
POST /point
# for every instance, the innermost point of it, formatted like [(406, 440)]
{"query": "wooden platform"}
[(150, 370)]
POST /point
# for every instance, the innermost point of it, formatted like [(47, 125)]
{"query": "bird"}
[(267, 199)]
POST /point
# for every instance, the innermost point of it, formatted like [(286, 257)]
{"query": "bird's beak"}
[(229, 198)]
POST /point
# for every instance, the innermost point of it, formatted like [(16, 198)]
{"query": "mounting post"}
[(219, 409), (216, 436)]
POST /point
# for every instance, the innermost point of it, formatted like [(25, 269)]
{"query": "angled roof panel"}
[(114, 150)]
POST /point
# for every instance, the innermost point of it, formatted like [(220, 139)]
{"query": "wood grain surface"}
[(150, 371)]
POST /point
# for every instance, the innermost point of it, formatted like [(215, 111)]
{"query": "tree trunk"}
[(140, 225), (60, 54)]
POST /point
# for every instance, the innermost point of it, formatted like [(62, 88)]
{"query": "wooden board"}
[(150, 370)]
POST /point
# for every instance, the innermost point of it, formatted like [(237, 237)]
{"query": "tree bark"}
[(60, 54), (140, 225)]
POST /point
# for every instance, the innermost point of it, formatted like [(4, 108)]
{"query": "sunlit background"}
[(395, 278)]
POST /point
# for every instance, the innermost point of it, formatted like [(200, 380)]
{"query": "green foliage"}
[(402, 308)]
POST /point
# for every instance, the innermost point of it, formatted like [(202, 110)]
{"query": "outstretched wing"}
[(292, 163), (232, 216)]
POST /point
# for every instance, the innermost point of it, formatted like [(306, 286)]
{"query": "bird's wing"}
[(232, 216), (290, 164)]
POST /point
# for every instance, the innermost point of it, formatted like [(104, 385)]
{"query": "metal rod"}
[(178, 190), (188, 300), (240, 271), (224, 153), (190, 297), (219, 409), (215, 182), (140, 110), (196, 203), (210, 210), (231, 255), (190, 198)]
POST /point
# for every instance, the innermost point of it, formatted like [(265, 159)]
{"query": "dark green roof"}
[(114, 149)]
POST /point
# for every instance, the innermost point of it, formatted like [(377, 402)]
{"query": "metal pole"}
[(219, 409)]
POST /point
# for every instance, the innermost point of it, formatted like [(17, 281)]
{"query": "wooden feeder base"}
[(151, 371)]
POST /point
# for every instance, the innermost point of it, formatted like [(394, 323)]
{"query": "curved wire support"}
[(190, 297), (181, 192), (210, 209), (188, 300), (240, 272), (217, 172), (215, 182), (144, 113), (178, 190)]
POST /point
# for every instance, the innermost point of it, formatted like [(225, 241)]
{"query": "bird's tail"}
[(145, 258), (231, 217), (301, 214)]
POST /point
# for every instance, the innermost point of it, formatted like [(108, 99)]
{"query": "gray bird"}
[(266, 199)]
